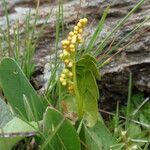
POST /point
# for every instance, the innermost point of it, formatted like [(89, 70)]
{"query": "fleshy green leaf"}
[(5, 114), (97, 32), (134, 130), (89, 94), (59, 132), (96, 138), (87, 73), (14, 131), (90, 58), (88, 62), (15, 86)]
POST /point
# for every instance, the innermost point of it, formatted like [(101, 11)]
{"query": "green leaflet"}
[(14, 131), (87, 74), (16, 86), (89, 94), (5, 114), (134, 130), (59, 132), (97, 137), (90, 58), (88, 62)]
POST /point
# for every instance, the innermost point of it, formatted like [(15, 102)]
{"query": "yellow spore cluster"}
[(69, 47)]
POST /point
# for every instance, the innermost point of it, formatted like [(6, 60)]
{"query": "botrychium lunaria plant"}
[(69, 52)]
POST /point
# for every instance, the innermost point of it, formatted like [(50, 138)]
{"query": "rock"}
[(135, 58)]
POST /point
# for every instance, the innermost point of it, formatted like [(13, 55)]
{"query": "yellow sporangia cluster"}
[(68, 54)]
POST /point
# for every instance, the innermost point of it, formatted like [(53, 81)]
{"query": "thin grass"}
[(52, 80), (52, 83), (140, 106), (59, 28), (97, 31), (138, 26), (17, 53), (147, 145), (109, 36), (116, 119), (124, 118), (57, 33), (115, 47), (128, 109), (102, 62), (25, 60), (62, 17), (80, 126), (8, 29), (27, 54), (29, 69)]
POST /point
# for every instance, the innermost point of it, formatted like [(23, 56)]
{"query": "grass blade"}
[(97, 31), (106, 40), (129, 101)]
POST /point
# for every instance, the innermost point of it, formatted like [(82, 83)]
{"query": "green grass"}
[(54, 116), (118, 26), (29, 40)]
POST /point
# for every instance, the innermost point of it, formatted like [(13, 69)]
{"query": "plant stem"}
[(78, 98)]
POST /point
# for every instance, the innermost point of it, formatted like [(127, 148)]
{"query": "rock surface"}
[(135, 58)]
